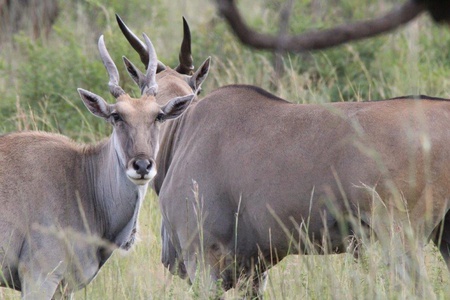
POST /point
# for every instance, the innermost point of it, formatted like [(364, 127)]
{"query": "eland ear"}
[(134, 72), (200, 75), (96, 104), (161, 67), (175, 107)]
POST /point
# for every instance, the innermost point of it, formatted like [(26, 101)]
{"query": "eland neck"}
[(115, 198)]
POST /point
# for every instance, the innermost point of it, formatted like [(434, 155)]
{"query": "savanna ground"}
[(38, 81)]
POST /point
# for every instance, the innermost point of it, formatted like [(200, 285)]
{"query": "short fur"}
[(270, 162), (62, 213)]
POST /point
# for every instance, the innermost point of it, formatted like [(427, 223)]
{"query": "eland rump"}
[(65, 207), (246, 178)]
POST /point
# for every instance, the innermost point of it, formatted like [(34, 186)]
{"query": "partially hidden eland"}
[(246, 178)]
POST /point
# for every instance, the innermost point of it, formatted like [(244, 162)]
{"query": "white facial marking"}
[(139, 179)]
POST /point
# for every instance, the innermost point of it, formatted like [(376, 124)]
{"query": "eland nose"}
[(142, 166)]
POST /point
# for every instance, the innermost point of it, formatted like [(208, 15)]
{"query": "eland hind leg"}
[(441, 238)]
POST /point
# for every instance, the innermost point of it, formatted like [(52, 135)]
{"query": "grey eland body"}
[(246, 178), (256, 171)]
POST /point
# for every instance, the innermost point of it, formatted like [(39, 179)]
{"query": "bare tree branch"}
[(318, 39)]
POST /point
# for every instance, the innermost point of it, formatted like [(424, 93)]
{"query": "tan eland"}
[(64, 206)]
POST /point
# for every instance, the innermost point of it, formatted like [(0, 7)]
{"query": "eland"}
[(65, 207), (246, 178)]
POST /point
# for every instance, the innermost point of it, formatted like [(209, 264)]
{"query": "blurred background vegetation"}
[(40, 72)]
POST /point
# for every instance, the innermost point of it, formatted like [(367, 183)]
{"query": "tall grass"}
[(38, 81)]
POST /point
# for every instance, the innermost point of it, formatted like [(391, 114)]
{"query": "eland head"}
[(135, 120)]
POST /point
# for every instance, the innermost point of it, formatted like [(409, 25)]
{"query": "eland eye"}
[(116, 117), (160, 117)]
